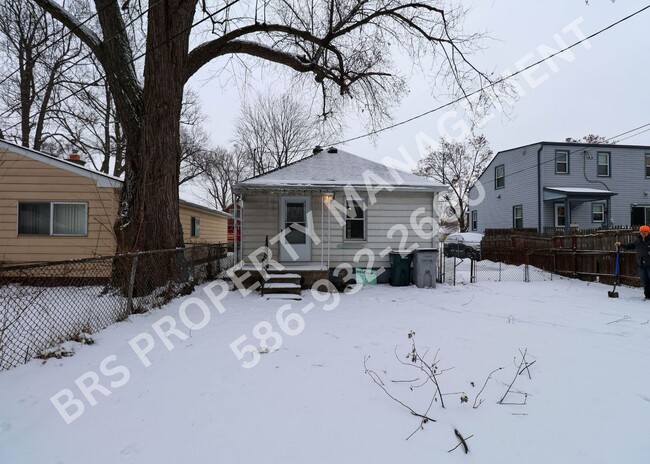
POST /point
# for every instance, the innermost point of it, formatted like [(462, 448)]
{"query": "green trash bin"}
[(400, 269)]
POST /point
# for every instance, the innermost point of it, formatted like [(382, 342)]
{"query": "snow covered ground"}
[(311, 401)]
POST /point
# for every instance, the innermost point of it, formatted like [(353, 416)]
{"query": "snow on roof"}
[(337, 169), (577, 190)]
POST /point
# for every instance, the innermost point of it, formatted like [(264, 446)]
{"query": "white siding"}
[(261, 218)]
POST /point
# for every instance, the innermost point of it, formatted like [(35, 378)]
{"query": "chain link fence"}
[(460, 271), (42, 305)]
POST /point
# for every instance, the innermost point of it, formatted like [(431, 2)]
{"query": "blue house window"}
[(499, 177), (597, 212), (474, 220), (647, 164), (561, 162), (603, 163), (518, 217)]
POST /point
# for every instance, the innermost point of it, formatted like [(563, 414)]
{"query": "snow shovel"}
[(614, 293)]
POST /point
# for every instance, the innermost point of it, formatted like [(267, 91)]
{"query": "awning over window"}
[(576, 193)]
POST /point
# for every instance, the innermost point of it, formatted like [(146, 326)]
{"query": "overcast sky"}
[(600, 87)]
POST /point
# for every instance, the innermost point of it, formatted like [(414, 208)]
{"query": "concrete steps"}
[(282, 283)]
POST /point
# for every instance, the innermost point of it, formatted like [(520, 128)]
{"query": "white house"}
[(335, 209)]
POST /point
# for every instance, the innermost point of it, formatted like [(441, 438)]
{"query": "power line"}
[(492, 84), (611, 140), (377, 131)]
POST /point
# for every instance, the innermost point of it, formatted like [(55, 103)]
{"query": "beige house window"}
[(195, 227), (52, 218)]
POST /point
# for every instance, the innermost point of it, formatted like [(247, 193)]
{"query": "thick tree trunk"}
[(149, 211)]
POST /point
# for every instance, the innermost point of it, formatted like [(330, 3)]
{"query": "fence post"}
[(208, 269), (575, 263), (129, 303)]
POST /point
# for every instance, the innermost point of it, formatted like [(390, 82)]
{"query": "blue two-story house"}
[(557, 185)]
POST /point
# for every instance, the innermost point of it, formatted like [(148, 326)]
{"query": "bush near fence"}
[(586, 255), (42, 305)]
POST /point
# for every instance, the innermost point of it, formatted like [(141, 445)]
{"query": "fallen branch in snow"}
[(624, 318), (405, 381), (470, 300), (375, 378), (525, 368), (522, 366), (475, 406), (462, 441), (431, 371)]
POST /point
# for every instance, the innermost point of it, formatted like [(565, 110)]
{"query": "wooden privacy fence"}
[(587, 256)]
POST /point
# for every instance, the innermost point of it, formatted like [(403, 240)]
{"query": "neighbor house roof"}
[(102, 180), (336, 168)]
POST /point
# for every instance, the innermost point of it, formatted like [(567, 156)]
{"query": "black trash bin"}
[(400, 269)]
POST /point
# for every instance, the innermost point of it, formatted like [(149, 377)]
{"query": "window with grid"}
[(499, 177), (474, 220), (561, 162), (518, 217), (355, 221), (597, 212), (603, 164), (52, 218)]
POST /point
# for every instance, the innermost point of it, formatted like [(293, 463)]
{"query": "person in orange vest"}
[(642, 246)]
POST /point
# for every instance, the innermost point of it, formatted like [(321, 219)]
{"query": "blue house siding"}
[(522, 187), (496, 209)]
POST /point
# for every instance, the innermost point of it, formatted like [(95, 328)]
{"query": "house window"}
[(597, 212), (52, 218), (561, 162), (560, 215), (195, 227), (474, 220), (647, 164), (640, 216), (603, 163), (355, 221), (518, 217), (499, 177)]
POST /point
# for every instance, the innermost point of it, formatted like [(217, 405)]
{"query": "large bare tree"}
[(36, 55), (345, 46), (457, 164), (275, 130), (592, 139), (224, 168)]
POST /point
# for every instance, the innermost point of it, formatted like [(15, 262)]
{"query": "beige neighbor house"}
[(335, 209), (53, 209)]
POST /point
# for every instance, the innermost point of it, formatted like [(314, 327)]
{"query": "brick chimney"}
[(76, 159)]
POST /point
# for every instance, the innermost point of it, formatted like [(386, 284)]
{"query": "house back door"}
[(295, 245)]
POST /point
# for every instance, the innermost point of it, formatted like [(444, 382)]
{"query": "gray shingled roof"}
[(337, 169)]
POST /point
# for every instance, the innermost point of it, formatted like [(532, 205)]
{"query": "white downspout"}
[(234, 229)]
